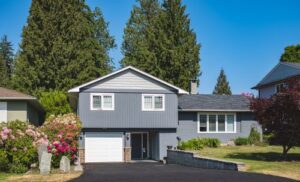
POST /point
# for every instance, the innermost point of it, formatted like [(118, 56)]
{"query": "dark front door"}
[(139, 146)]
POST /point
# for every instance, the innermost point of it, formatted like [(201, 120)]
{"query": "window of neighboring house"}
[(102, 101), (280, 87), (153, 102), (216, 123)]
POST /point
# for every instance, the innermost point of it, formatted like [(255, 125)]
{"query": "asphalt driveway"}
[(157, 172)]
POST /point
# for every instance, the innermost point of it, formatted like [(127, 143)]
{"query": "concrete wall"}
[(189, 159), (187, 128), (17, 110), (128, 113)]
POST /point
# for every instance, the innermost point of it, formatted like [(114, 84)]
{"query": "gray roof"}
[(203, 102), (280, 72)]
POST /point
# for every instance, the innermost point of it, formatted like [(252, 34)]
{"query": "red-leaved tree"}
[(280, 116)]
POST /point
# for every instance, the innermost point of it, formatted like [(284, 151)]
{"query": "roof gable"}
[(281, 71), (129, 78)]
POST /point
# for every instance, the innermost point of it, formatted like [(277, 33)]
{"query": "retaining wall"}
[(190, 159)]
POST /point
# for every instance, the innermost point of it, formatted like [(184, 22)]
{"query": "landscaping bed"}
[(260, 159)]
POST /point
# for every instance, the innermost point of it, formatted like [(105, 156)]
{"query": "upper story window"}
[(102, 101), (153, 102), (280, 87), (216, 123)]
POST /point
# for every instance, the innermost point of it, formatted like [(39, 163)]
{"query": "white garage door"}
[(103, 147)]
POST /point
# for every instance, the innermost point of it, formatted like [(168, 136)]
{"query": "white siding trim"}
[(153, 102), (77, 89), (207, 122), (102, 101), (3, 111)]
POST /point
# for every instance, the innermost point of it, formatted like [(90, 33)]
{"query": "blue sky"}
[(246, 38)]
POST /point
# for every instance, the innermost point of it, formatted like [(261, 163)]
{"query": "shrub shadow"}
[(269, 156)]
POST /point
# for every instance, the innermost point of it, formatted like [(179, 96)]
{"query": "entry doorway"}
[(139, 146)]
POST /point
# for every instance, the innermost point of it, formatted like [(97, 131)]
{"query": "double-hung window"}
[(153, 102), (216, 123), (102, 101)]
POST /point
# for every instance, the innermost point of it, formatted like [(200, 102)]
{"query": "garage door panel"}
[(104, 147)]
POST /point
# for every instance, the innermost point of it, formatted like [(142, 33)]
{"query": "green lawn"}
[(4, 176), (260, 159)]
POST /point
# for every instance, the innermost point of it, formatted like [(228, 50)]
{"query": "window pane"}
[(212, 122), (147, 102), (107, 101), (203, 123), (230, 123), (158, 102), (96, 102), (221, 123)]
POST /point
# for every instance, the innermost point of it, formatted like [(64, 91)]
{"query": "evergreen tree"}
[(179, 52), (291, 54), (7, 57), (3, 73), (60, 47), (222, 87), (158, 40), (139, 45)]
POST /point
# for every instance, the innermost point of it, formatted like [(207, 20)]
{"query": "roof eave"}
[(77, 89), (215, 110)]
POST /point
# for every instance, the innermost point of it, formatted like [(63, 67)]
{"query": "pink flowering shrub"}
[(63, 132), (18, 141)]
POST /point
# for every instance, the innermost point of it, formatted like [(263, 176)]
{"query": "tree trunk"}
[(285, 152)]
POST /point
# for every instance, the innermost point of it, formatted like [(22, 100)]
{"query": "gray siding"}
[(187, 128), (17, 110), (166, 139), (154, 145), (128, 113), (267, 92)]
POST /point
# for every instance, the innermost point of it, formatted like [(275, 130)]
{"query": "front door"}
[(139, 146)]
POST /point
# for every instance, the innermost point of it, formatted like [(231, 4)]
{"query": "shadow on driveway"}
[(157, 172)]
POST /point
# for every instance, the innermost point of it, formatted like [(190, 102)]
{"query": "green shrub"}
[(254, 137), (17, 168), (18, 141), (55, 102), (199, 143), (211, 142), (3, 160), (241, 141)]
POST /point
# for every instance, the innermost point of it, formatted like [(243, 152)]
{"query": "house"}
[(276, 79), (18, 106), (129, 114)]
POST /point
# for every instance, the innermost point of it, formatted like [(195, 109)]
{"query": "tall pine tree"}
[(3, 73), (6, 59), (179, 56), (222, 87), (61, 47), (291, 54), (159, 40), (140, 37)]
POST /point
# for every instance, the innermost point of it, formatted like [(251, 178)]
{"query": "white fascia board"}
[(77, 89)]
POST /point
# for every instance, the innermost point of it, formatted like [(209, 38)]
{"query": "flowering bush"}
[(63, 132), (18, 141)]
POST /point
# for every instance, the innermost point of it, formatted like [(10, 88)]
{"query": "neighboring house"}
[(130, 114), (18, 106), (276, 79)]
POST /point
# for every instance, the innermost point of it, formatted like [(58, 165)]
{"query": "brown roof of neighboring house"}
[(12, 94)]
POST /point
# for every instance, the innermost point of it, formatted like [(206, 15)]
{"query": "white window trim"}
[(153, 102), (3, 112), (102, 101), (207, 122)]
